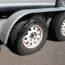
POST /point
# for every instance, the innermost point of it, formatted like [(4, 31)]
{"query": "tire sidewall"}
[(21, 48)]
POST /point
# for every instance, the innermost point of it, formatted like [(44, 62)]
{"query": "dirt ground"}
[(52, 53)]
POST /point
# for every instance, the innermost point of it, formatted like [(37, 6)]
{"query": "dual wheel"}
[(29, 36)]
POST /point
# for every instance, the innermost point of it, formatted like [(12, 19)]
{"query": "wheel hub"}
[(63, 28), (33, 37)]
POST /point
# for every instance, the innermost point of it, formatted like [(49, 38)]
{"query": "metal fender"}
[(7, 26)]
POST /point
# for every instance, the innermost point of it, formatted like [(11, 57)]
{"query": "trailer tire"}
[(23, 29), (58, 26)]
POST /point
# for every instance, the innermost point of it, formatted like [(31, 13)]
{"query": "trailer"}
[(24, 24)]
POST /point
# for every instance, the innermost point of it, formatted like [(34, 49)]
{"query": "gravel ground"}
[(52, 53)]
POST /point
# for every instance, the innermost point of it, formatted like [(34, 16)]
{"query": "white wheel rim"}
[(33, 37), (63, 28)]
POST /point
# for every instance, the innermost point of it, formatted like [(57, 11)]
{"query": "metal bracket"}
[(60, 3)]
